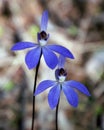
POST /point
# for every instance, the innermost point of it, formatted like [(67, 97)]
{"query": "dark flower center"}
[(60, 72), (43, 35)]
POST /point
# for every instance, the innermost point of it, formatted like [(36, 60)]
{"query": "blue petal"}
[(79, 86), (61, 50), (44, 85), (32, 57), (71, 95), (44, 21), (23, 45), (53, 96), (61, 62), (50, 58)]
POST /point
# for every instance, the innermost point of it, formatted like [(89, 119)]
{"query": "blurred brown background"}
[(75, 24)]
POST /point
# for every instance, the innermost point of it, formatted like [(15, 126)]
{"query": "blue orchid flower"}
[(33, 56), (61, 85)]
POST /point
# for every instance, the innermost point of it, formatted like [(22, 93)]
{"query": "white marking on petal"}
[(42, 42), (62, 78)]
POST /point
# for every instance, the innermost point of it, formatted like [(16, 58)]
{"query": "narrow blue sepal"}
[(79, 86), (23, 45), (61, 50), (71, 95), (44, 21), (61, 61), (43, 86), (53, 96), (32, 57), (50, 58)]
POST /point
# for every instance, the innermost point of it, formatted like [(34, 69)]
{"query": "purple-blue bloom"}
[(37, 49), (61, 85)]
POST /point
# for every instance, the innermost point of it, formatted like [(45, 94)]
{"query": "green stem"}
[(35, 81)]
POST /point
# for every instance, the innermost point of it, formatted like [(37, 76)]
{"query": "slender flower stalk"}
[(34, 100), (56, 115)]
